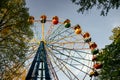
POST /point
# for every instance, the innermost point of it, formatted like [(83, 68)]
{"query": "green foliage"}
[(111, 58), (104, 5), (14, 32), (116, 34)]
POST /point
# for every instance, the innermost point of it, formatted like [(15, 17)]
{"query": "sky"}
[(100, 27)]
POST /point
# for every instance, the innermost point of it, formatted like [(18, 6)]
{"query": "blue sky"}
[(98, 26)]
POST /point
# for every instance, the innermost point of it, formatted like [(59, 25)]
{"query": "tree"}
[(111, 58), (14, 31), (116, 34), (104, 5)]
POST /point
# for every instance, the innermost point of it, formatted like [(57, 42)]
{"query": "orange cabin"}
[(93, 73), (77, 27), (31, 20), (78, 31)]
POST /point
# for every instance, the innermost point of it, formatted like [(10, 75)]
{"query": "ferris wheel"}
[(61, 51)]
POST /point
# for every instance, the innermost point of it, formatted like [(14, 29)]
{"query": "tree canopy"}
[(14, 31), (104, 5), (110, 56)]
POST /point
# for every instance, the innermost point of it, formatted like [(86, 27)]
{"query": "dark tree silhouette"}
[(14, 31), (104, 5)]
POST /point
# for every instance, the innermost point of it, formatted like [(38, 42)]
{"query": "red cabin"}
[(55, 20), (97, 65), (92, 45), (86, 35)]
